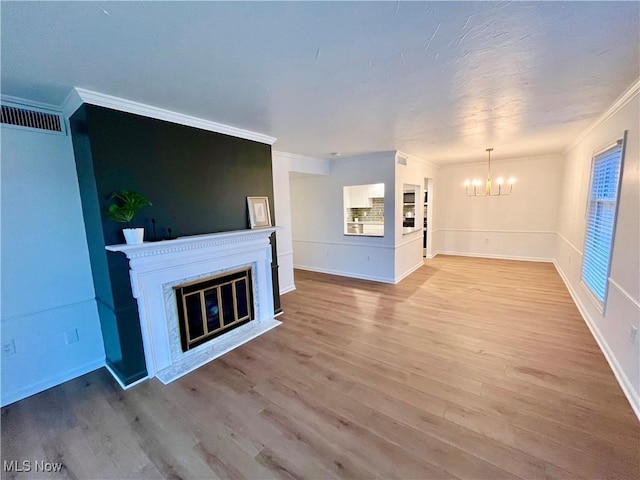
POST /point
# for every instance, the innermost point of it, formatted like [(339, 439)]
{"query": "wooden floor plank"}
[(469, 368)]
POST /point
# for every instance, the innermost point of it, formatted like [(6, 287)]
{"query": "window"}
[(364, 210), (601, 216)]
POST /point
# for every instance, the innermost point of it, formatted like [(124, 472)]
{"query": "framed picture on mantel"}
[(259, 215)]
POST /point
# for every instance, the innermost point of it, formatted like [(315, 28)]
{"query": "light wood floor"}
[(469, 368)]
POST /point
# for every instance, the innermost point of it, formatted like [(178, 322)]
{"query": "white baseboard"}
[(287, 289), (345, 274), (625, 384), (11, 397), (409, 272), (495, 256), (122, 385)]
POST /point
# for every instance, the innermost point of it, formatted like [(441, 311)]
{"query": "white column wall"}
[(319, 243), (409, 250), (283, 165), (47, 289)]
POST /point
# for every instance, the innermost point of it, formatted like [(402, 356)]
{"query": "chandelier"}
[(490, 189)]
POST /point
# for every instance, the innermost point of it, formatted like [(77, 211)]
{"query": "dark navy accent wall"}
[(198, 182)]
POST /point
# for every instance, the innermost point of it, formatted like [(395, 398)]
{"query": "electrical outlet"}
[(486, 240), (368, 257), (569, 258), (633, 334), (8, 347), (71, 336)]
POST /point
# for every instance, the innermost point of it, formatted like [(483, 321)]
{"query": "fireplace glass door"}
[(213, 306)]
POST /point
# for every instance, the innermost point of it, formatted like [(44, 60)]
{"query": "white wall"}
[(283, 165), (611, 330), (319, 243), (519, 226), (47, 289), (409, 250)]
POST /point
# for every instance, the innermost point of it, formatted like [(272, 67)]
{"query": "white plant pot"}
[(133, 235)]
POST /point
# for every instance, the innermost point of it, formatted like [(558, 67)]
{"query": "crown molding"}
[(72, 103), (615, 107), (78, 96), (297, 156), (526, 158), (23, 102)]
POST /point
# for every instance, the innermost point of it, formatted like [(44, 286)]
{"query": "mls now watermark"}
[(29, 466)]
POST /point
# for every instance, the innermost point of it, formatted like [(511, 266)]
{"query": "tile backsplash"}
[(373, 214)]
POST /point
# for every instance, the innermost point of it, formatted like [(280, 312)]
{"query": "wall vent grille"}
[(31, 118)]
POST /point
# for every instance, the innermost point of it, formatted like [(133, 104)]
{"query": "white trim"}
[(190, 243), (288, 289), (122, 385), (371, 245), (598, 305), (407, 241), (569, 243), (297, 156), (623, 381), (528, 158), (626, 294), (42, 385), (608, 146), (72, 103), (615, 107), (130, 106), (20, 316), (541, 232), (497, 257), (282, 254), (409, 272), (23, 102), (341, 273), (433, 255)]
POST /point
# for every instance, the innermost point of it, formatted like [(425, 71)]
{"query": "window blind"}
[(601, 213)]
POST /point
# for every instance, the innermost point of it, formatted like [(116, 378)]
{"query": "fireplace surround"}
[(157, 269)]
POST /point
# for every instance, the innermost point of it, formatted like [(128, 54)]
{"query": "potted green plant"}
[(127, 204)]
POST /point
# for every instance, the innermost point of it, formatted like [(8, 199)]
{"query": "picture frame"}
[(259, 213)]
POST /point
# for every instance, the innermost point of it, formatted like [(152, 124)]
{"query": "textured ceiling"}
[(440, 80)]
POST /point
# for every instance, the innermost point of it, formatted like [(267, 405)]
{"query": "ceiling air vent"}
[(31, 118)]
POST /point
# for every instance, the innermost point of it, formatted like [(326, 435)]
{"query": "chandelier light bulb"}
[(489, 187)]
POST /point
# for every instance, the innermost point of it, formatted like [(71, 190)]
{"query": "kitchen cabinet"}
[(376, 190), (359, 196), (373, 230)]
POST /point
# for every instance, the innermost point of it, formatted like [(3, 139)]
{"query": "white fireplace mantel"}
[(157, 267)]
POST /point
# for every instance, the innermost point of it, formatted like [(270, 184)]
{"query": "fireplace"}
[(198, 275), (211, 307)]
